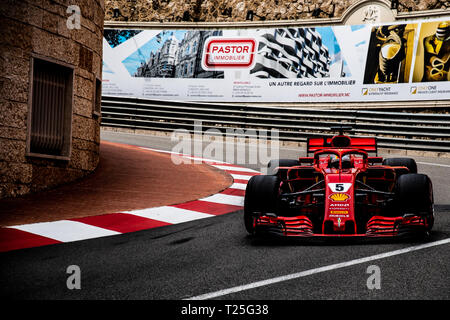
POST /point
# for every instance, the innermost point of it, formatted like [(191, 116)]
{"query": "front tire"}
[(261, 197), (414, 195)]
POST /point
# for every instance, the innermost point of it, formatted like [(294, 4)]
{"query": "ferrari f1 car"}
[(340, 191)]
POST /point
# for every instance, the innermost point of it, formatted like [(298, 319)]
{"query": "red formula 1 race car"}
[(340, 191)]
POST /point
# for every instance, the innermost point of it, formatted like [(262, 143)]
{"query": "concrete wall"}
[(38, 28)]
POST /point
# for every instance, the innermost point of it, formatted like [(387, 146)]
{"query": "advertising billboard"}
[(355, 63)]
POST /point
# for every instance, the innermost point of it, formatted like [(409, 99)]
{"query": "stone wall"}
[(39, 27), (219, 10)]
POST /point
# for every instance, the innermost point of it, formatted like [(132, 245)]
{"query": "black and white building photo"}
[(179, 59), (291, 53)]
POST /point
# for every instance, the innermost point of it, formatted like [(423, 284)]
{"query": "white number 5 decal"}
[(339, 187)]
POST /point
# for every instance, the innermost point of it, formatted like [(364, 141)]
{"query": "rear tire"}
[(261, 196), (410, 163), (273, 164)]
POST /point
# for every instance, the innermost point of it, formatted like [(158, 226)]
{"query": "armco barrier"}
[(397, 130)]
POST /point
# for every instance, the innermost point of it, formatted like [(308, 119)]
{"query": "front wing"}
[(377, 226)]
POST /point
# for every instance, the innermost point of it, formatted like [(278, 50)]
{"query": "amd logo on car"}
[(228, 53)]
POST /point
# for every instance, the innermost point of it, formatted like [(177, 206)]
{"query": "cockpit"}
[(335, 160)]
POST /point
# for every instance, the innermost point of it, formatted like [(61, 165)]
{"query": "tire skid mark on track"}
[(45, 233)]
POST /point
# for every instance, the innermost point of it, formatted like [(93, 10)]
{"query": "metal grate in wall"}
[(51, 109)]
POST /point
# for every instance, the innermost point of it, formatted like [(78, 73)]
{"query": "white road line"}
[(240, 186), (434, 164), (66, 230), (301, 274), (172, 215), (231, 168), (225, 199), (188, 156), (163, 151), (240, 177), (204, 160)]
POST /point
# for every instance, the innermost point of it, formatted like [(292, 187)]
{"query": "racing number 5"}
[(340, 187)]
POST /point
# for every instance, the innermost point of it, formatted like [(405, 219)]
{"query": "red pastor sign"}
[(228, 53)]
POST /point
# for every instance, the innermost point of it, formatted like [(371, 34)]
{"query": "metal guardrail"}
[(398, 130)]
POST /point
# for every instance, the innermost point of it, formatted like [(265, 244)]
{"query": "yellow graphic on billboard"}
[(433, 53), (390, 54)]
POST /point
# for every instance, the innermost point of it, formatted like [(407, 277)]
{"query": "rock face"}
[(236, 10)]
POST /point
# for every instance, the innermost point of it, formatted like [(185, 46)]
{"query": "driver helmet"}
[(333, 162), (346, 162)]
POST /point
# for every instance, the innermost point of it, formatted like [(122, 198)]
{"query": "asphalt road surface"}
[(216, 259)]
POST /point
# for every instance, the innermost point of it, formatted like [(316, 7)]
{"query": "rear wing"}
[(367, 144)]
